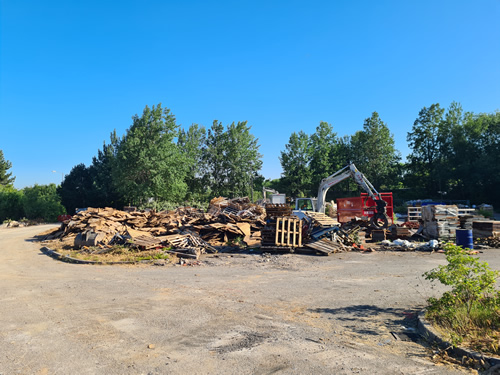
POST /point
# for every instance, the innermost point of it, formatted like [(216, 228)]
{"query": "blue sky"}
[(72, 71)]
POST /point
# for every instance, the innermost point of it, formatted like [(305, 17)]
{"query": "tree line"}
[(454, 155), (34, 202), (157, 164)]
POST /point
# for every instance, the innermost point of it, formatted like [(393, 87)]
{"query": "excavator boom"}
[(350, 170)]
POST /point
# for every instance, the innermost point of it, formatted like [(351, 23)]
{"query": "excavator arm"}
[(350, 170)]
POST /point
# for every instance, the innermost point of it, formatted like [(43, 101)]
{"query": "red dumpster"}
[(363, 206)]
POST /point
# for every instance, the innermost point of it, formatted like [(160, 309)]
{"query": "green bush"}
[(486, 213), (11, 204), (42, 202), (470, 279), (470, 311)]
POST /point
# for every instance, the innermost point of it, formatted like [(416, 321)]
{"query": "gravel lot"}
[(349, 313)]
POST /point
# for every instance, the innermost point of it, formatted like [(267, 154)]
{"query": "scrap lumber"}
[(326, 247), (241, 219)]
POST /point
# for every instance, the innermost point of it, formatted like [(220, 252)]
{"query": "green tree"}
[(490, 142), (231, 159), (76, 189), (191, 144), (42, 202), (149, 165), (11, 203), (295, 162), (425, 159), (324, 150), (6, 179), (243, 159), (459, 145), (215, 163), (104, 192), (375, 153)]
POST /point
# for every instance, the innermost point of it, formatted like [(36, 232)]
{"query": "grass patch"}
[(114, 254)]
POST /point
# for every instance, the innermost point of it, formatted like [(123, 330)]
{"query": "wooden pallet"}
[(322, 219), (325, 246), (278, 209), (288, 231)]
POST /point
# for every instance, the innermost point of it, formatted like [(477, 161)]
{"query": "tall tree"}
[(243, 159), (375, 153), (149, 164), (457, 136), (76, 189), (324, 150), (295, 162), (191, 143), (232, 159), (215, 163), (104, 192), (425, 157), (6, 178), (491, 154)]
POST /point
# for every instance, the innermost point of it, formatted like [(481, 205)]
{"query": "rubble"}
[(186, 230), (228, 223)]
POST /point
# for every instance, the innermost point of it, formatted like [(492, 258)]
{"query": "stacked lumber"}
[(276, 214), (485, 229), (440, 221)]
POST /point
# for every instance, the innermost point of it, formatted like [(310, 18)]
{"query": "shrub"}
[(42, 202), (11, 204), (471, 310), (470, 279)]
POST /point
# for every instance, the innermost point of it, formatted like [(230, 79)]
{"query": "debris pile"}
[(488, 241), (440, 221), (187, 230)]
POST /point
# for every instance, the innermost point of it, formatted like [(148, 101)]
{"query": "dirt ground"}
[(350, 313)]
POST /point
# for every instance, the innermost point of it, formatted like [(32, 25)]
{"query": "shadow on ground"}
[(366, 319)]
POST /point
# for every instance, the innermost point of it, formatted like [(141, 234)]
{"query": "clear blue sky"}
[(72, 71)]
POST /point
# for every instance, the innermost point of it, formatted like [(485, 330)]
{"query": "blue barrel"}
[(464, 238)]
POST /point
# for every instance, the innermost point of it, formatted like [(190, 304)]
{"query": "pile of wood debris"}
[(187, 230)]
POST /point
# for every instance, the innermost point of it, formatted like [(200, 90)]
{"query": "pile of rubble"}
[(187, 230)]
